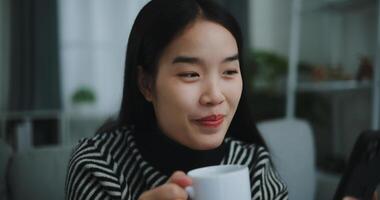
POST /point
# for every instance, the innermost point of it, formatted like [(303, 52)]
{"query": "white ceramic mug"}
[(221, 182)]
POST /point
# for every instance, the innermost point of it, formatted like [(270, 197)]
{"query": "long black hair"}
[(156, 25)]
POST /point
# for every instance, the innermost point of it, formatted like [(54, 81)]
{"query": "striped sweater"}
[(110, 166)]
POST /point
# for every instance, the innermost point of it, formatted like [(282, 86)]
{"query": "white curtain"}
[(93, 39)]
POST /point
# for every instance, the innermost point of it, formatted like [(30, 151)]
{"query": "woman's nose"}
[(212, 94)]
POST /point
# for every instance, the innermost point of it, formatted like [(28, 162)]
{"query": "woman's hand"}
[(350, 198), (173, 189)]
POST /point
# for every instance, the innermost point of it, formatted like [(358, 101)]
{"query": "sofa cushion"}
[(39, 173), (292, 149)]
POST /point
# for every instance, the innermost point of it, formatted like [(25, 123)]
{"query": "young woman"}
[(184, 106)]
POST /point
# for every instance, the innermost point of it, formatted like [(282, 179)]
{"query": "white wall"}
[(315, 44), (360, 38), (93, 38), (4, 53), (269, 25), (270, 29), (326, 39)]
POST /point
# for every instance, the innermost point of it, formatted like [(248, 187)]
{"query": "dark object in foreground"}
[(362, 174)]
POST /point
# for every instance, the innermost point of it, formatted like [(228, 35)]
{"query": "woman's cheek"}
[(233, 91), (189, 94)]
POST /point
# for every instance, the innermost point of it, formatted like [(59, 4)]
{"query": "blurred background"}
[(61, 72)]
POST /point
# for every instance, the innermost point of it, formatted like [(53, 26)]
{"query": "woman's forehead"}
[(203, 38)]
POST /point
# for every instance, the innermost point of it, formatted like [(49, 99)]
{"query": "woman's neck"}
[(168, 156)]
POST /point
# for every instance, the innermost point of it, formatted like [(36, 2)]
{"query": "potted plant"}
[(83, 99), (267, 69)]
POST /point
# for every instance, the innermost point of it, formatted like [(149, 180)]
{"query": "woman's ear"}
[(144, 84)]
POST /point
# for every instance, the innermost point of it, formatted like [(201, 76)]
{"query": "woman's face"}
[(198, 86)]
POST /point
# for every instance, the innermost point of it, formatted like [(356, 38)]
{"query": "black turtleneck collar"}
[(168, 155)]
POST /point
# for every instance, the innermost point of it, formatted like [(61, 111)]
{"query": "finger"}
[(181, 179), (350, 198), (165, 192)]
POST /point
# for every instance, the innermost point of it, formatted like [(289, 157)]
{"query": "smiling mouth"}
[(212, 121)]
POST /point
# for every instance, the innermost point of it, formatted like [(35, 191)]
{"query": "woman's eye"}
[(230, 72), (189, 75)]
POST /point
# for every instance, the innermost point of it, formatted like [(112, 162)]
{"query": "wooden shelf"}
[(45, 127)]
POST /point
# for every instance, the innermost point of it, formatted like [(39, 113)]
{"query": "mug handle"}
[(190, 191)]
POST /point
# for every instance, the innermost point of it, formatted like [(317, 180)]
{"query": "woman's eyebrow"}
[(186, 59), (195, 60), (231, 58)]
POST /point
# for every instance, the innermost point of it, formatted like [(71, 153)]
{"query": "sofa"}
[(291, 143), (40, 173), (36, 174)]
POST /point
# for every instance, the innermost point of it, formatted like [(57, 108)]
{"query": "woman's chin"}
[(207, 143)]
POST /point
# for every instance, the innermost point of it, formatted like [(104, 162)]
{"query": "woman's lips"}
[(211, 121)]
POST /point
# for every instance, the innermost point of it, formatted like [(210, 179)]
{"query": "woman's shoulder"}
[(94, 162), (103, 142), (235, 144), (240, 152), (264, 177)]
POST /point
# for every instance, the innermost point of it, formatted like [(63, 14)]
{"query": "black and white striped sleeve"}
[(91, 174), (266, 182)]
